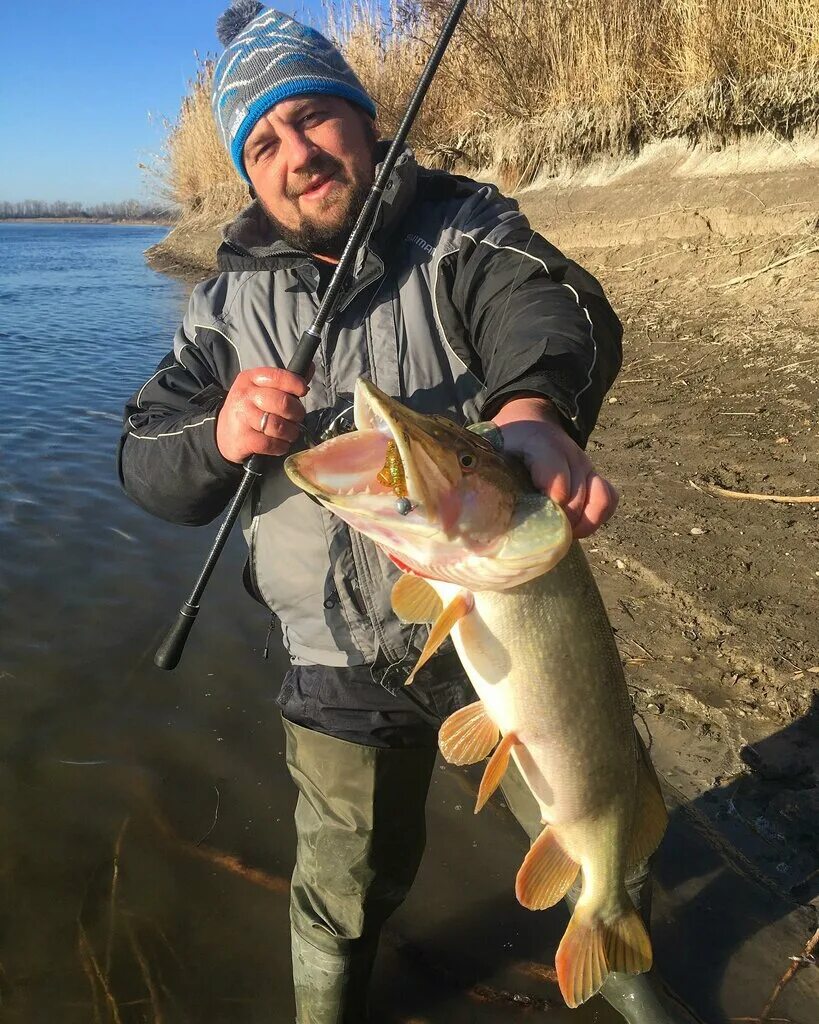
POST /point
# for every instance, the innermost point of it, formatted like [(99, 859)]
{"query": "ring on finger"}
[(263, 423)]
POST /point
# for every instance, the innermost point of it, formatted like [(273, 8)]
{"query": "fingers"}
[(281, 380), (563, 479), (261, 414), (587, 498), (601, 503), (561, 470), (278, 428), (277, 403), (576, 503)]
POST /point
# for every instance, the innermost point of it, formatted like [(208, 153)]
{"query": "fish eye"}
[(466, 460)]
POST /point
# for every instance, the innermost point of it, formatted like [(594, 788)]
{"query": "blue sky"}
[(84, 87)]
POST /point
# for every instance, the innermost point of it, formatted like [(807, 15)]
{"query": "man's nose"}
[(301, 151)]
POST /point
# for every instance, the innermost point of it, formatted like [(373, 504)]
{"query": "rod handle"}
[(170, 650), (305, 350)]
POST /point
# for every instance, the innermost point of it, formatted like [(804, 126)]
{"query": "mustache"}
[(324, 166)]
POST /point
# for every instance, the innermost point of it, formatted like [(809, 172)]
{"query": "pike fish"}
[(491, 562)]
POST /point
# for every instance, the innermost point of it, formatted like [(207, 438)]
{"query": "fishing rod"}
[(170, 650)]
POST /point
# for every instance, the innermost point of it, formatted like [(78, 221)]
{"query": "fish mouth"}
[(388, 468)]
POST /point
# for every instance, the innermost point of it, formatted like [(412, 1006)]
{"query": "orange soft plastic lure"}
[(392, 473)]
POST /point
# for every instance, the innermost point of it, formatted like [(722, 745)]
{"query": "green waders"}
[(361, 832)]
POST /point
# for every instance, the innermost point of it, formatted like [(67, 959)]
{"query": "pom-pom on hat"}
[(269, 57)]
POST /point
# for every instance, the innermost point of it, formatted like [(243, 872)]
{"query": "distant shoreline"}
[(138, 222)]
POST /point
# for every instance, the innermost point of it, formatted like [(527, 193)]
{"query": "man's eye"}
[(265, 150)]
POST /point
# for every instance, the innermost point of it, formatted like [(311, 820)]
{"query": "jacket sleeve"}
[(168, 459), (535, 320)]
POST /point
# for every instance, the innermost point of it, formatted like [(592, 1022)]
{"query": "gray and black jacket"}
[(455, 304)]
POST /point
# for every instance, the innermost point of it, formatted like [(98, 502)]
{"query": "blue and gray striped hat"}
[(269, 57)]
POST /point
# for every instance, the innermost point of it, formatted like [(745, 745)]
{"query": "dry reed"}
[(528, 87)]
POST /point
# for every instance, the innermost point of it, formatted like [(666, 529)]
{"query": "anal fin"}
[(459, 606), (468, 735), (546, 874), (580, 961)]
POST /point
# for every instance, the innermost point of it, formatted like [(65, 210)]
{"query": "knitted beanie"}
[(269, 57)]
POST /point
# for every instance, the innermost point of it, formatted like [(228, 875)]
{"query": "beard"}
[(326, 231)]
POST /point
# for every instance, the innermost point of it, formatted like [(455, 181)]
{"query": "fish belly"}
[(543, 660)]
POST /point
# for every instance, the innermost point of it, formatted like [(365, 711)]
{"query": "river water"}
[(145, 817)]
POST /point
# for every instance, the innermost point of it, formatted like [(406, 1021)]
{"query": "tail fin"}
[(591, 949)]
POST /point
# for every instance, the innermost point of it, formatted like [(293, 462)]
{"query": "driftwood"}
[(782, 499), (798, 962), (770, 266)]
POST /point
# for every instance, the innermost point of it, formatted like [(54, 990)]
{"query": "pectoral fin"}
[(496, 769), (442, 627), (651, 816), (546, 874), (414, 600), (468, 735)]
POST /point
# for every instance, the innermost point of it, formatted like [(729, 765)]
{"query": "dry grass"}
[(528, 87), (194, 170)]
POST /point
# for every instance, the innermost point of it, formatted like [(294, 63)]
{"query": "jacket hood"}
[(253, 238)]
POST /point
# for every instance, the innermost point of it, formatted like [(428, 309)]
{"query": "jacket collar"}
[(250, 242)]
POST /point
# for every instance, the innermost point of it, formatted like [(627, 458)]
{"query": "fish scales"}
[(537, 655)]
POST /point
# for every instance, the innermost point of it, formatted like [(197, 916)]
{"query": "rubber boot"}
[(360, 831), (638, 998), (330, 988)]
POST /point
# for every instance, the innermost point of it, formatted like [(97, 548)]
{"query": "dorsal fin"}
[(650, 816)]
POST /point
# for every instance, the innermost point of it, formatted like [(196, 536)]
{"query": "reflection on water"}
[(145, 818)]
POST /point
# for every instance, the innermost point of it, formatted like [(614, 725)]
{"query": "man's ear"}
[(371, 132)]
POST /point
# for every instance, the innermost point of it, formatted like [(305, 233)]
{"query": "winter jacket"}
[(454, 305)]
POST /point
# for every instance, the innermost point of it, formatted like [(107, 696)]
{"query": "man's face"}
[(311, 162)]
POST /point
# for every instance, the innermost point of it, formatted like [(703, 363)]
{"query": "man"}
[(454, 305)]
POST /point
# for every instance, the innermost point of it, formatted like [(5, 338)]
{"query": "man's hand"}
[(559, 468), (243, 429)]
